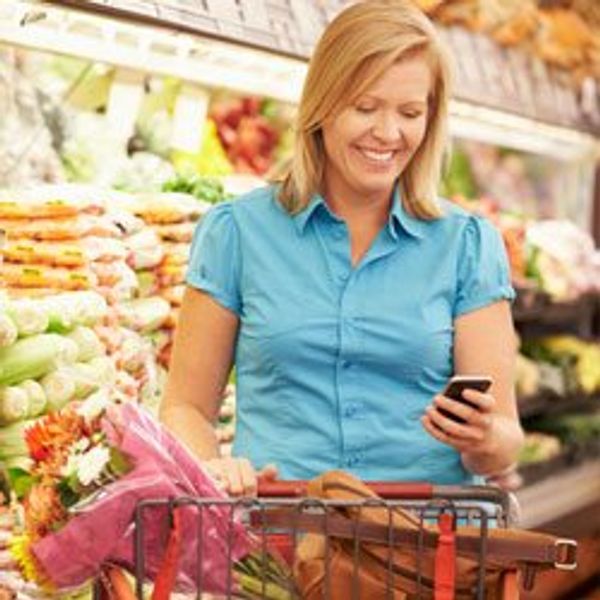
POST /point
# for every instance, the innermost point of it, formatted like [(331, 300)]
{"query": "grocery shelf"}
[(511, 80), (209, 60), (551, 403), (538, 315), (572, 490)]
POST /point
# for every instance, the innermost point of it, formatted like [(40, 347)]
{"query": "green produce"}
[(572, 428), (12, 439), (527, 376), (579, 359), (88, 378), (539, 447), (36, 395), (66, 311), (59, 387), (459, 179), (8, 331), (14, 404), (29, 316), (208, 189), (33, 357), (88, 343)]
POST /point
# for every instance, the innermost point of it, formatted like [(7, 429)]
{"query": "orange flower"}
[(52, 435), (43, 510)]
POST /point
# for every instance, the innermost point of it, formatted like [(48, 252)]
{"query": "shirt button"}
[(346, 364), (350, 410), (352, 461)]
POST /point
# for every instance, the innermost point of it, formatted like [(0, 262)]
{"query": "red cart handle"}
[(384, 489)]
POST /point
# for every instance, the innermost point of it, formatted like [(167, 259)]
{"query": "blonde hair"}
[(358, 46)]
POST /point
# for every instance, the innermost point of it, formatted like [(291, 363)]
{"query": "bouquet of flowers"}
[(92, 464)]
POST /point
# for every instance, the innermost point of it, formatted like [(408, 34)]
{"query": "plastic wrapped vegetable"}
[(88, 343), (29, 316), (36, 395), (59, 387), (105, 369), (32, 357), (8, 330), (12, 440), (66, 311), (145, 250), (14, 404), (144, 315)]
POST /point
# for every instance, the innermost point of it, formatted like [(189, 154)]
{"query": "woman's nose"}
[(387, 128)]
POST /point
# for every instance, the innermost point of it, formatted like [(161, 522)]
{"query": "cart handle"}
[(384, 489)]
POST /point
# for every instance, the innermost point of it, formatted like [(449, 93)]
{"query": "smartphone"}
[(456, 387)]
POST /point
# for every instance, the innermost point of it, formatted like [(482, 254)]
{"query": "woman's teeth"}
[(377, 156)]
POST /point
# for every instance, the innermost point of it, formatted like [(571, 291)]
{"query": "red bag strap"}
[(445, 559), (167, 572)]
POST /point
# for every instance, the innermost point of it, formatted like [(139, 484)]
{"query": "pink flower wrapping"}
[(103, 530)]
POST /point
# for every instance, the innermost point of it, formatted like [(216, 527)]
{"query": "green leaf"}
[(20, 481), (68, 497), (119, 464)]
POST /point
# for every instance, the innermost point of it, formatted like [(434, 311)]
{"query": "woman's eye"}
[(364, 108), (412, 115)]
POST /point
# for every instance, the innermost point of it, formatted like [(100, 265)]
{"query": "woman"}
[(348, 295)]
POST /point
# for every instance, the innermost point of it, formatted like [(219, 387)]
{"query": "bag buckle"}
[(567, 550)]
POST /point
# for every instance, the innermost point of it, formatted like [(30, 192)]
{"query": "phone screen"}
[(455, 388)]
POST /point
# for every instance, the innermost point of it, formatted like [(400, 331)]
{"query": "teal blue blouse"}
[(336, 364)]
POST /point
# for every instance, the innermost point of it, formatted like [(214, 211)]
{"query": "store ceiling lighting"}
[(215, 64)]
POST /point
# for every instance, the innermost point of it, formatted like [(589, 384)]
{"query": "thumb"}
[(269, 472)]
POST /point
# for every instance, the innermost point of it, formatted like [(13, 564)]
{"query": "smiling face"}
[(371, 141)]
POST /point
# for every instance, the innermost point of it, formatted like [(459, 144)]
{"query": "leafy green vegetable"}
[(208, 189), (20, 481)]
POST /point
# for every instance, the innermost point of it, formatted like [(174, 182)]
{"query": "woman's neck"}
[(373, 210)]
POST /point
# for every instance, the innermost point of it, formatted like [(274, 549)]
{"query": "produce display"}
[(554, 257), (50, 356), (539, 448), (158, 253), (565, 365), (248, 136), (563, 34)]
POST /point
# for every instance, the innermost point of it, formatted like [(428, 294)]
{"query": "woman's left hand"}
[(475, 433)]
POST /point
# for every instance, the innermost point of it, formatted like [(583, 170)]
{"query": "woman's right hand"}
[(236, 476)]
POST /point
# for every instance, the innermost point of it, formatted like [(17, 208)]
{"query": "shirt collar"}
[(398, 216), (302, 218)]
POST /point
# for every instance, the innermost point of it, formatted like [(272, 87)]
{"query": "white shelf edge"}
[(561, 495)]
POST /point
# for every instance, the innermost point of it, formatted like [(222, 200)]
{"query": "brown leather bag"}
[(370, 552)]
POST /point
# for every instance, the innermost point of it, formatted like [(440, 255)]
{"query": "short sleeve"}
[(215, 258), (483, 272)]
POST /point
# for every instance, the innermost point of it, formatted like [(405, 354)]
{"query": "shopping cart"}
[(282, 517)]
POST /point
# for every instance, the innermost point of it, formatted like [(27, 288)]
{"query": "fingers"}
[(475, 421), (269, 472), (484, 402), (477, 413), (236, 476)]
